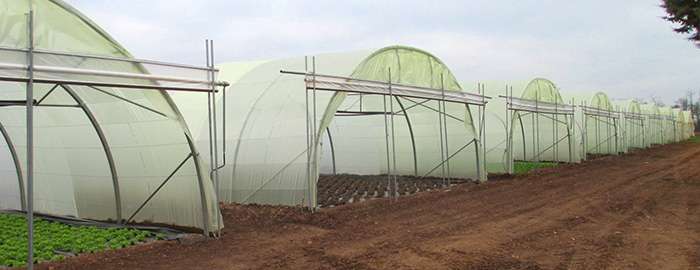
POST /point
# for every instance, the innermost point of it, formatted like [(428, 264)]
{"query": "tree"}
[(685, 13), (689, 103)]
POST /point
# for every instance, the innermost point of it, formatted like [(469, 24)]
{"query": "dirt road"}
[(637, 211)]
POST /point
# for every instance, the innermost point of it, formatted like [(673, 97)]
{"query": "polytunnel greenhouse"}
[(350, 122), (109, 144), (542, 121), (632, 129), (669, 124), (601, 125), (688, 124), (528, 122), (654, 130)]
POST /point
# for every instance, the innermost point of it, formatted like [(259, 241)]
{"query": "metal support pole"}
[(536, 126), (315, 138), (215, 124), (442, 144), (508, 134), (482, 136), (555, 126), (395, 187), (212, 165), (571, 131), (444, 120), (616, 125), (584, 130), (477, 152), (211, 125), (30, 143), (509, 125), (644, 139), (308, 136), (386, 141)]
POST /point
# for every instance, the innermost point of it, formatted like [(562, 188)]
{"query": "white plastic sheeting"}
[(267, 143), (142, 130)]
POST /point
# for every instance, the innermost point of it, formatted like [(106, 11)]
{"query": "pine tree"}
[(685, 13)]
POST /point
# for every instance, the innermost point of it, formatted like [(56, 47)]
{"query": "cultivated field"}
[(635, 211)]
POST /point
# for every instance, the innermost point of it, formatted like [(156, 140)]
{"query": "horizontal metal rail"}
[(529, 105), (104, 73), (324, 82), (104, 84), (128, 60), (600, 112)]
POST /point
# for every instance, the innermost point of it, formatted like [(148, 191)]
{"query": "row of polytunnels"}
[(125, 140)]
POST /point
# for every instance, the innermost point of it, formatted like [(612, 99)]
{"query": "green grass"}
[(523, 167), (53, 238), (694, 139)]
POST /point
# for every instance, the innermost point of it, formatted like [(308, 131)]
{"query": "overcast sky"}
[(622, 47)]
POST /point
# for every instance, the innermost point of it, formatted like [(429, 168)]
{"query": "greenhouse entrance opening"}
[(634, 136), (537, 124), (398, 164), (600, 127)]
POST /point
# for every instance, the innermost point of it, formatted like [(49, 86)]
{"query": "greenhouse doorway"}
[(391, 114)]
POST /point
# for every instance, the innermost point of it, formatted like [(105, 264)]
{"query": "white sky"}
[(622, 47)]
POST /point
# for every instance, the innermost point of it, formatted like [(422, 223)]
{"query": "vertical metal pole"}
[(386, 141), (616, 125), (597, 133), (584, 130), (477, 143), (508, 134), (482, 134), (571, 131), (314, 138), (444, 119), (223, 121), (662, 124), (644, 142), (511, 157), (555, 126), (395, 191), (30, 142), (212, 165), (308, 136), (215, 128), (607, 125), (537, 125), (442, 144)]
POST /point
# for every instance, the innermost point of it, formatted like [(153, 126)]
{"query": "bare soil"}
[(636, 211)]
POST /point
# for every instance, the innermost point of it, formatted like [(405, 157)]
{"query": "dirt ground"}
[(637, 211)]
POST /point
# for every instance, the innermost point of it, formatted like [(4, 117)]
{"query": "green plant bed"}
[(53, 239), (523, 167), (694, 139)]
